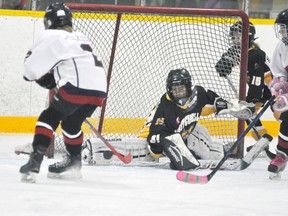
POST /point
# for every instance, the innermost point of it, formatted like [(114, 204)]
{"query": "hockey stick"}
[(270, 154), (124, 158), (195, 179)]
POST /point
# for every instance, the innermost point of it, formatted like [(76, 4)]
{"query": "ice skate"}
[(277, 165), (31, 168), (69, 167)]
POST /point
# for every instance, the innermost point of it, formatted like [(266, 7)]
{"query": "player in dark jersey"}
[(175, 117), (259, 75)]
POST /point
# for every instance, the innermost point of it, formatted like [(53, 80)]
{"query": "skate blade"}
[(29, 177), (275, 176), (69, 175)]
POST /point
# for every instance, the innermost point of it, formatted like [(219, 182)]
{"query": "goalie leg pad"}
[(198, 146), (178, 153), (216, 151), (199, 141), (205, 151)]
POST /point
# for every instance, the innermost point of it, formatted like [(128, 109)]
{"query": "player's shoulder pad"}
[(50, 35)]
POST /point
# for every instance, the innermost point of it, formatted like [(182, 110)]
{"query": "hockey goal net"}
[(140, 45)]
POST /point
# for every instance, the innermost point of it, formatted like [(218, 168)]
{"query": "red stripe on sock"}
[(75, 141), (44, 131)]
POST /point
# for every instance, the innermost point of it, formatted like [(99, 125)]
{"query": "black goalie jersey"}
[(167, 118)]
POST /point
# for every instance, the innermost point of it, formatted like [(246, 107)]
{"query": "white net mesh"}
[(138, 49)]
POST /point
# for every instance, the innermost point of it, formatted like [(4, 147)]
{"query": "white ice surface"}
[(138, 191)]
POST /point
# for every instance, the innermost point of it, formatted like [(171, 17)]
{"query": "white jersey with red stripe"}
[(279, 61), (70, 57)]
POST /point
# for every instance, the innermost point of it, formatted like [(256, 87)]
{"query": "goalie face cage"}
[(140, 45)]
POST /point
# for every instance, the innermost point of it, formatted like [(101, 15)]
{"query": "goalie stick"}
[(270, 154), (124, 158), (195, 179)]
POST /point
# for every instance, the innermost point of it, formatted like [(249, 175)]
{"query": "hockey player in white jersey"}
[(64, 60), (279, 88)]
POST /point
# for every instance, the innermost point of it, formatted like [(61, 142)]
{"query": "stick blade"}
[(127, 158), (191, 178)]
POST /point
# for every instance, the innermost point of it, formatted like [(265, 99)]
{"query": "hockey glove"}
[(47, 81), (178, 153), (238, 109), (281, 104), (224, 67), (278, 86)]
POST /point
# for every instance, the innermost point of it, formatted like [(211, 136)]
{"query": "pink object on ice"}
[(191, 178)]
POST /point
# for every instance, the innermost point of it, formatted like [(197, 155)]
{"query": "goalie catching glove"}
[(238, 109)]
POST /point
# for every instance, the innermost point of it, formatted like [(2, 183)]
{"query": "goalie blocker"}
[(178, 153)]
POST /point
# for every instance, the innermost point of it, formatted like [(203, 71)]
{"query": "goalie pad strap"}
[(178, 153)]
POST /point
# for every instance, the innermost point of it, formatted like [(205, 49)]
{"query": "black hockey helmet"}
[(281, 26), (178, 86), (236, 33), (57, 15)]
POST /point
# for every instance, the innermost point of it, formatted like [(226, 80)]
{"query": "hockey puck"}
[(107, 155)]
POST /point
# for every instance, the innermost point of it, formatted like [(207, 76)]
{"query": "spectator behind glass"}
[(222, 4), (14, 4)]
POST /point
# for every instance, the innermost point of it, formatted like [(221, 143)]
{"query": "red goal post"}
[(140, 45)]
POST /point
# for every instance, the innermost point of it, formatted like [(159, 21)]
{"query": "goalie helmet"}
[(178, 86), (57, 15), (281, 26), (235, 33)]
